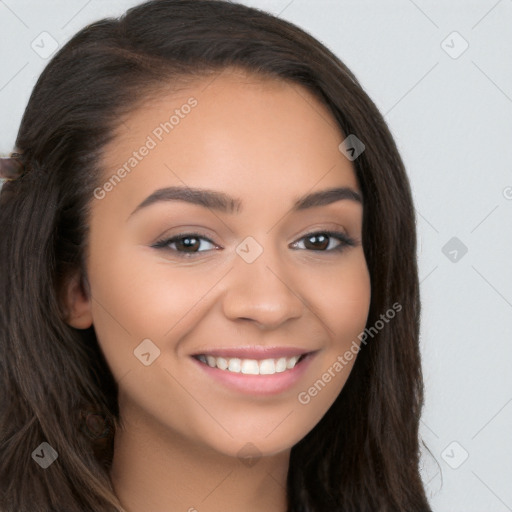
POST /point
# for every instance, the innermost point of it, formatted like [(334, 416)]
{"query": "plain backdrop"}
[(441, 74)]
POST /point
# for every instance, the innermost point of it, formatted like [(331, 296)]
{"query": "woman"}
[(209, 293)]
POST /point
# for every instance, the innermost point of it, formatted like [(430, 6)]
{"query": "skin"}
[(267, 143)]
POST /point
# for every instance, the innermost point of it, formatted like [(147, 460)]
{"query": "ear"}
[(77, 302)]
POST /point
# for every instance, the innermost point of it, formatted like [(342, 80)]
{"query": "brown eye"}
[(326, 241), (315, 242), (185, 244), (189, 244)]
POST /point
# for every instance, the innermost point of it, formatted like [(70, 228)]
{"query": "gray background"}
[(450, 111)]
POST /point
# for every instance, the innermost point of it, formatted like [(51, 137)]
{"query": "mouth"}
[(246, 366), (255, 370)]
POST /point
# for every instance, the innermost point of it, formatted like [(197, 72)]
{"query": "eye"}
[(185, 244), (325, 241)]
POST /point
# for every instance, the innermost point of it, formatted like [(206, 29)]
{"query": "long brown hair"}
[(56, 387)]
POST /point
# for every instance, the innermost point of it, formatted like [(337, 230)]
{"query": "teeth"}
[(222, 363), (234, 365), (290, 363), (250, 366), (267, 367), (281, 365)]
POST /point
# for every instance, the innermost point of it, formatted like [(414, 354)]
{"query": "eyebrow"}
[(224, 203)]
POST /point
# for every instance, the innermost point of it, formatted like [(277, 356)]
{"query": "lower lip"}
[(258, 384)]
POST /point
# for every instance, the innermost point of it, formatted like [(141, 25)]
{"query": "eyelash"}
[(345, 241)]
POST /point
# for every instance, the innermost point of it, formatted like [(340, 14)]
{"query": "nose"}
[(263, 292)]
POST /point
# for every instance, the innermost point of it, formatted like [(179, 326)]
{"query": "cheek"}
[(122, 303), (343, 299), (136, 298), (343, 305)]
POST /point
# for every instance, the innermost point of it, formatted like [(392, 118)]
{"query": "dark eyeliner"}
[(345, 241), (342, 237), (164, 242)]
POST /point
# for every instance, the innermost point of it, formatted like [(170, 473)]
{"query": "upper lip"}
[(254, 352)]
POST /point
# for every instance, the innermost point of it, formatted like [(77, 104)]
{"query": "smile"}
[(251, 366)]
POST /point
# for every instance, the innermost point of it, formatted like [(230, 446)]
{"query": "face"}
[(227, 286)]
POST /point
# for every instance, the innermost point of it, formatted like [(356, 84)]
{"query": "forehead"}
[(232, 131)]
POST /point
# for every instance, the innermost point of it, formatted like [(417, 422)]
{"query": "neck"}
[(158, 470)]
